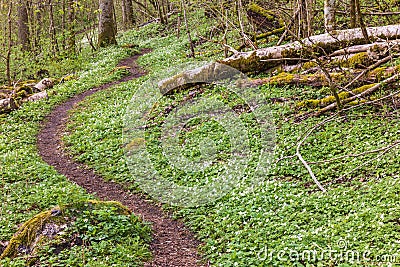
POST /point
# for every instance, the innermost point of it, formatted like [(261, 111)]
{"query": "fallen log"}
[(374, 47), (44, 84), (312, 46), (8, 104), (14, 98), (37, 96), (284, 78), (372, 88)]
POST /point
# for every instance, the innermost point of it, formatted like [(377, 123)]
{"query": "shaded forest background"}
[(43, 38)]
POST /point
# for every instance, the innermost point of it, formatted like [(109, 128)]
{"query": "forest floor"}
[(173, 243), (276, 223)]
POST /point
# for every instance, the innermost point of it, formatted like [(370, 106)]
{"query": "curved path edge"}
[(173, 244)]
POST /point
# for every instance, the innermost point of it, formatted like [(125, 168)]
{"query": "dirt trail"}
[(173, 244)]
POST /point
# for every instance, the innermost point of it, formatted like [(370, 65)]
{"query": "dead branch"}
[(312, 46), (369, 91)]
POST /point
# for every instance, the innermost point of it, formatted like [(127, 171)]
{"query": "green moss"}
[(356, 102), (378, 73), (282, 77), (309, 65), (354, 61), (311, 103), (30, 233), (261, 11), (250, 63), (26, 234), (363, 88), (331, 99), (21, 94)]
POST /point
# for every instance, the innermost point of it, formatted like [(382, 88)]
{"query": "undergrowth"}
[(286, 217), (28, 185), (355, 224)]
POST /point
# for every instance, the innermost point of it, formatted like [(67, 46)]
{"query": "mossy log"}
[(318, 79), (202, 75), (8, 104), (37, 96), (44, 84), (315, 79), (317, 45), (369, 89), (331, 99), (12, 97), (47, 224), (263, 18)]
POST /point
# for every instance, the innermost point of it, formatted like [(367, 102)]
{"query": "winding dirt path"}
[(173, 244)]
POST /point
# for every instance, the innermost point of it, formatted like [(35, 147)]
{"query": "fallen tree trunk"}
[(14, 98), (375, 47), (37, 96), (7, 105), (317, 45)]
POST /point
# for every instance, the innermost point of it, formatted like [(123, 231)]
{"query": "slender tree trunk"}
[(52, 30), (9, 37), (361, 21), (329, 15), (187, 29), (353, 16), (164, 11), (107, 30), (127, 14), (71, 44), (39, 10), (23, 30), (305, 19), (63, 25)]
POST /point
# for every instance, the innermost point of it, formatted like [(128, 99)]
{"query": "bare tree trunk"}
[(305, 18), (361, 21), (127, 14), (353, 16), (164, 11), (107, 28), (187, 29), (9, 37), (23, 30), (71, 45), (63, 24), (329, 15), (52, 30)]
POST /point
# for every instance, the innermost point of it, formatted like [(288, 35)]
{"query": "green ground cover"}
[(286, 216), (29, 186)]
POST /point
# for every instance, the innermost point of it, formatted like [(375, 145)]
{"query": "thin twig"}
[(352, 155), (393, 145), (301, 158), (230, 48), (373, 66)]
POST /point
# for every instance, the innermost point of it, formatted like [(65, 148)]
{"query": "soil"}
[(173, 244)]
